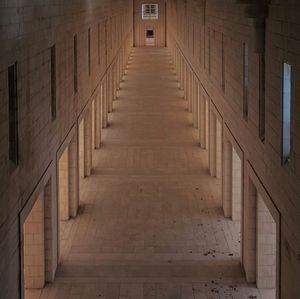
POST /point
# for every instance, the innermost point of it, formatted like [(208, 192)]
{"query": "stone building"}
[(150, 149)]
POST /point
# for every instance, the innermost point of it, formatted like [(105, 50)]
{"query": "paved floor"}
[(150, 222)]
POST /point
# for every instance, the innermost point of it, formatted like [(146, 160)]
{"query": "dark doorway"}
[(150, 34)]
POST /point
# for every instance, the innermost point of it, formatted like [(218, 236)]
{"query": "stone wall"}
[(208, 38), (28, 30)]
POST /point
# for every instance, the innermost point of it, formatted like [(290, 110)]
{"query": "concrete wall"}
[(208, 36), (28, 30), (158, 26)]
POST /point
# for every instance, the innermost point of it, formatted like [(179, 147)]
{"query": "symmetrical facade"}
[(237, 63)]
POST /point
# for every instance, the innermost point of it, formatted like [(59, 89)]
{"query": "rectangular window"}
[(53, 82), (209, 50), (262, 101), (223, 62), (245, 79), (98, 43), (89, 50), (75, 64), (13, 114), (149, 11), (193, 39), (286, 112), (200, 44)]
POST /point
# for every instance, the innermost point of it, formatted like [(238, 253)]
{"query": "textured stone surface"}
[(150, 222)]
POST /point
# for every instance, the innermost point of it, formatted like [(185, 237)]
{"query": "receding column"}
[(73, 176), (81, 148), (87, 143), (249, 231), (114, 82), (186, 84), (63, 185), (182, 74), (202, 127), (196, 100), (206, 123), (227, 178), (118, 73), (93, 124), (212, 144), (192, 95), (51, 259), (190, 90), (34, 246), (103, 103), (179, 73), (218, 148), (266, 247), (109, 90), (236, 186), (98, 120), (183, 80)]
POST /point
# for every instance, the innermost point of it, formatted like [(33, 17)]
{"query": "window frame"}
[(75, 64), (245, 80), (286, 153), (53, 82), (151, 15), (13, 110)]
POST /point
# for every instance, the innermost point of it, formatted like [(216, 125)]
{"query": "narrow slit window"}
[(75, 54), (245, 79), (53, 82), (13, 114), (286, 112), (209, 50), (149, 11), (98, 43), (223, 62), (200, 44), (193, 39), (262, 100), (89, 50)]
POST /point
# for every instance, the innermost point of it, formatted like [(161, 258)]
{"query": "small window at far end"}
[(149, 11)]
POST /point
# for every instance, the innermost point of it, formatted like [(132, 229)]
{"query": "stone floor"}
[(150, 222)]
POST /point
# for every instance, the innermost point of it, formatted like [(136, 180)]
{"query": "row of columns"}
[(56, 197), (242, 194)]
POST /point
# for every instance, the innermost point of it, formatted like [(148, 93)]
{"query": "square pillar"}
[(74, 176), (93, 123), (87, 142), (212, 144), (196, 101), (219, 133), (34, 246), (237, 188), (98, 120), (227, 178), (192, 94), (63, 185), (249, 231), (109, 90), (190, 90), (104, 103), (266, 247), (51, 236), (202, 126)]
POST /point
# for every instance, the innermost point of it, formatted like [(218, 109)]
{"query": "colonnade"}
[(56, 198), (244, 198)]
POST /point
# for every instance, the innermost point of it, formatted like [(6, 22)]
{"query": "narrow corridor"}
[(150, 223)]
